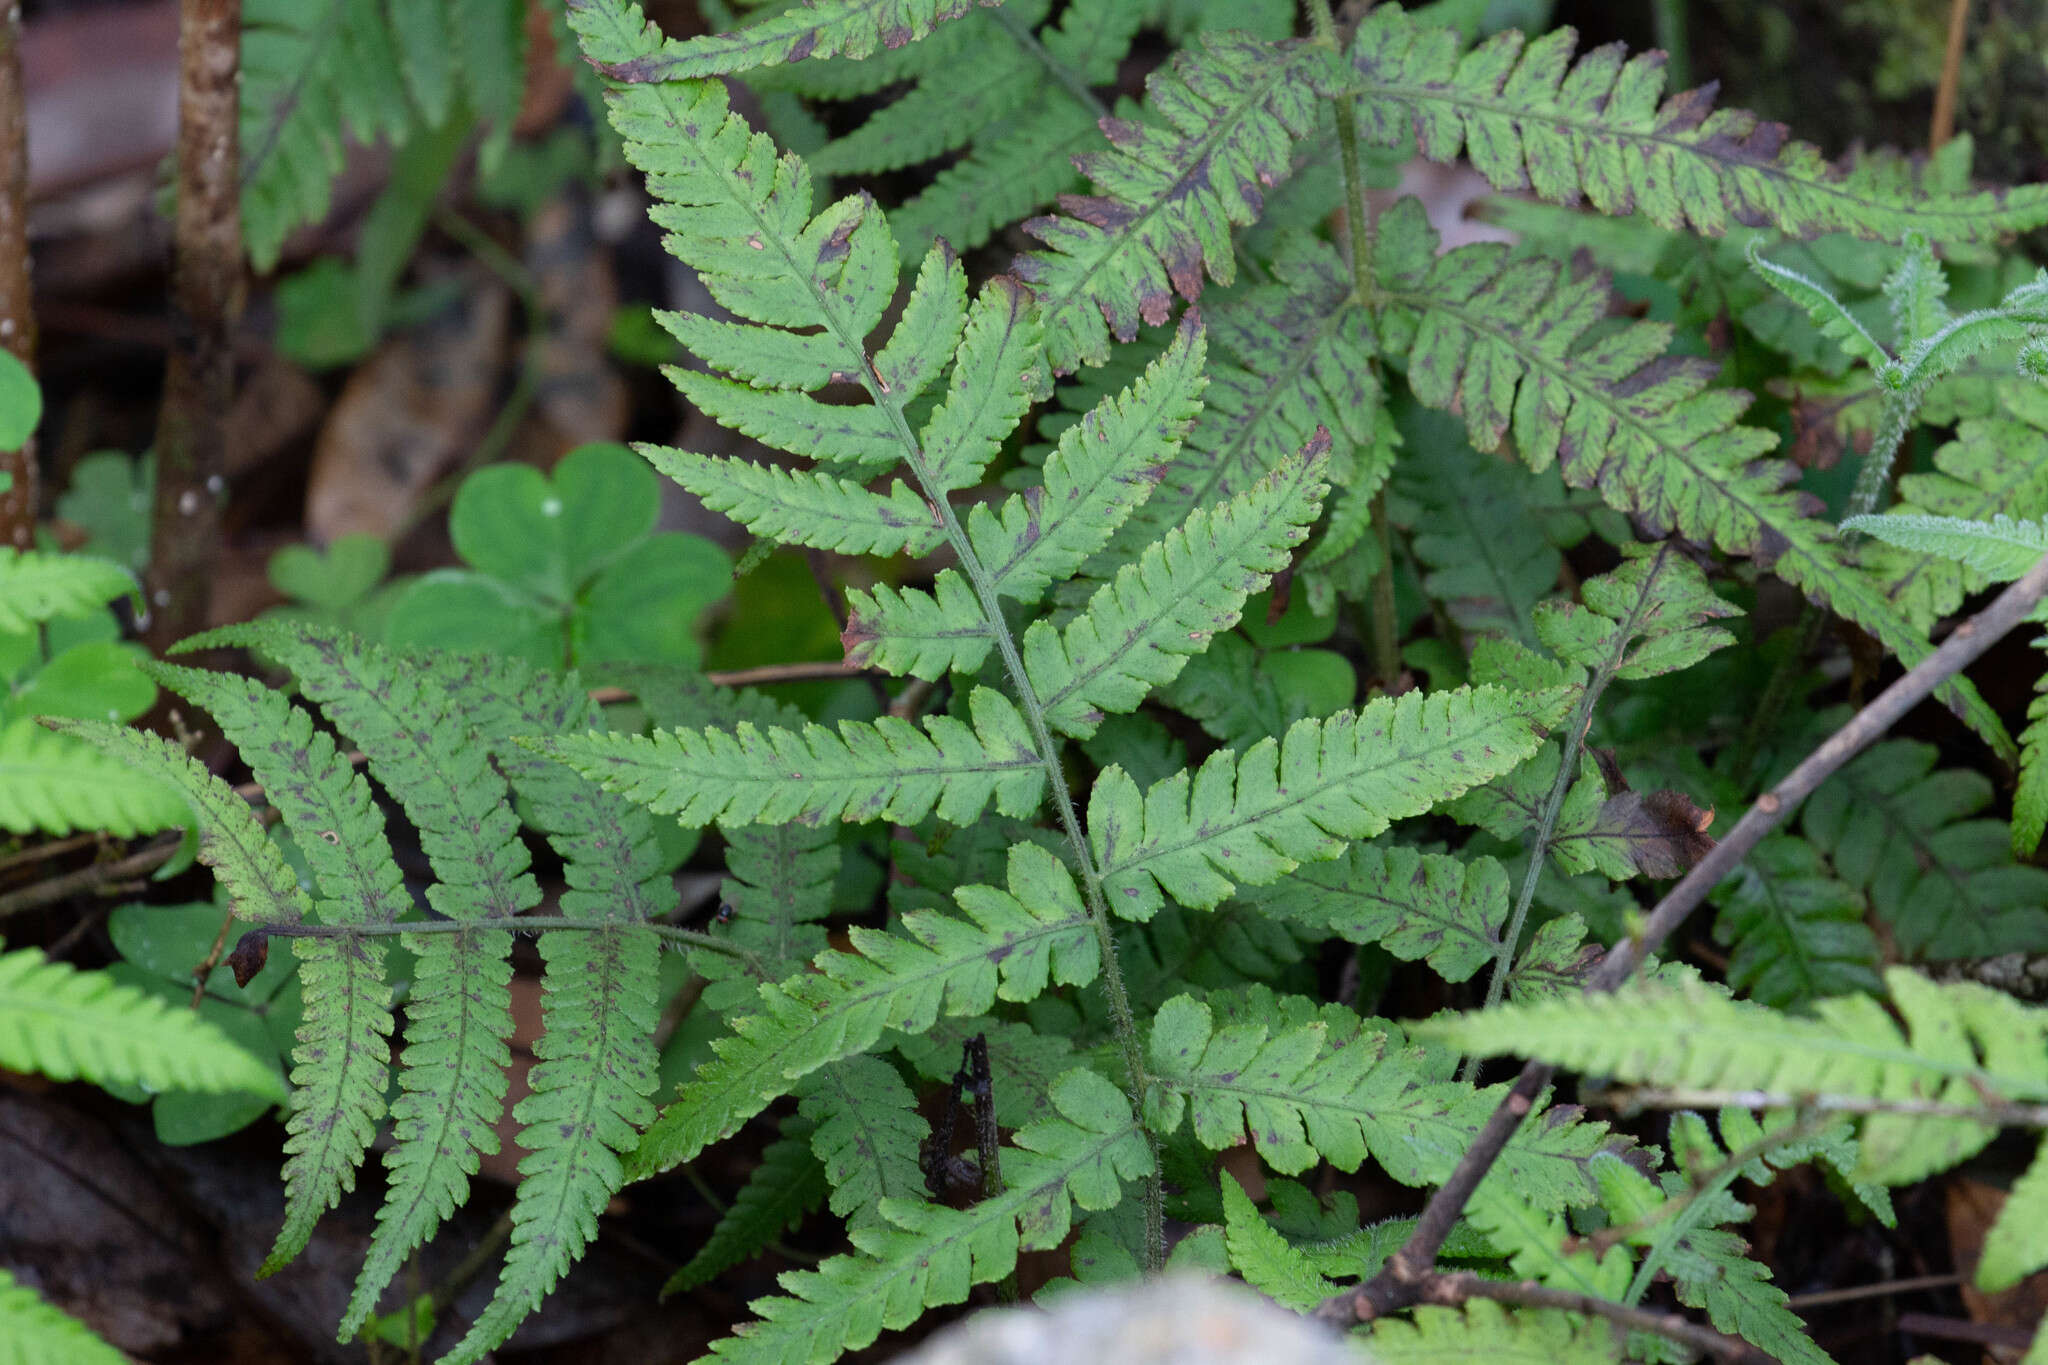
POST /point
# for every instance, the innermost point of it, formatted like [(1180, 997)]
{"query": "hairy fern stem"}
[(1560, 788)]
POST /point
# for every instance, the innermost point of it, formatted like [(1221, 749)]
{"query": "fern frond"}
[(459, 1013), (1329, 1090), (933, 1254), (1480, 538), (1539, 1244), (885, 769), (1961, 1042), (343, 1057), (1248, 818), (1012, 944), (1527, 116), (788, 1184), (35, 586), (1171, 190), (1826, 311), (1137, 631), (2017, 1244), (805, 507), (867, 1136), (1266, 1260), (57, 785), (1101, 473), (1898, 829), (259, 882), (1484, 1330), (2030, 793), (34, 1333), (1796, 932), (68, 1025), (999, 375), (815, 29), (1503, 340), (1415, 905), (2000, 549), (921, 634), (1231, 690)]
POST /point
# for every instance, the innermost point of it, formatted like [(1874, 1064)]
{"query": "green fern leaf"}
[(999, 375), (51, 783), (799, 508), (933, 1254), (1248, 818), (2030, 794), (1899, 831), (1414, 905), (1286, 358), (1997, 464), (867, 1136), (249, 866), (1961, 1041), (342, 1058), (1479, 535), (1797, 933), (1651, 616), (888, 769), (1529, 117), (1540, 1247), (2017, 1244), (34, 1333), (69, 1024), (2000, 549), (459, 1013), (1138, 630), (37, 587), (788, 1184), (1826, 311), (1102, 471), (1013, 943), (1483, 1330), (812, 30), (1268, 1262), (1226, 116), (1329, 1090), (922, 634), (1501, 339)]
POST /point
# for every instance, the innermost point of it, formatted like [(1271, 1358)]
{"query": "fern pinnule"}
[(1011, 946), (1527, 116), (883, 769), (1447, 909), (811, 30), (66, 1024), (1249, 818), (261, 885), (787, 1185), (1484, 1330), (33, 1332), (1137, 630), (868, 1136), (1227, 116), (343, 1054), (1960, 1043), (932, 1254), (51, 785), (1333, 1089), (35, 586)]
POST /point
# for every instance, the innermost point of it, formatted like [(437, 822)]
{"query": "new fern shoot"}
[(1110, 521)]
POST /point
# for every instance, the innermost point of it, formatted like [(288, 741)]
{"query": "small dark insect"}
[(725, 913)]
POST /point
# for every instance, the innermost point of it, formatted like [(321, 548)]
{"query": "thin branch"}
[(1408, 1270), (87, 878), (1943, 125), (17, 302), (1453, 1290), (1883, 1289), (206, 301)]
